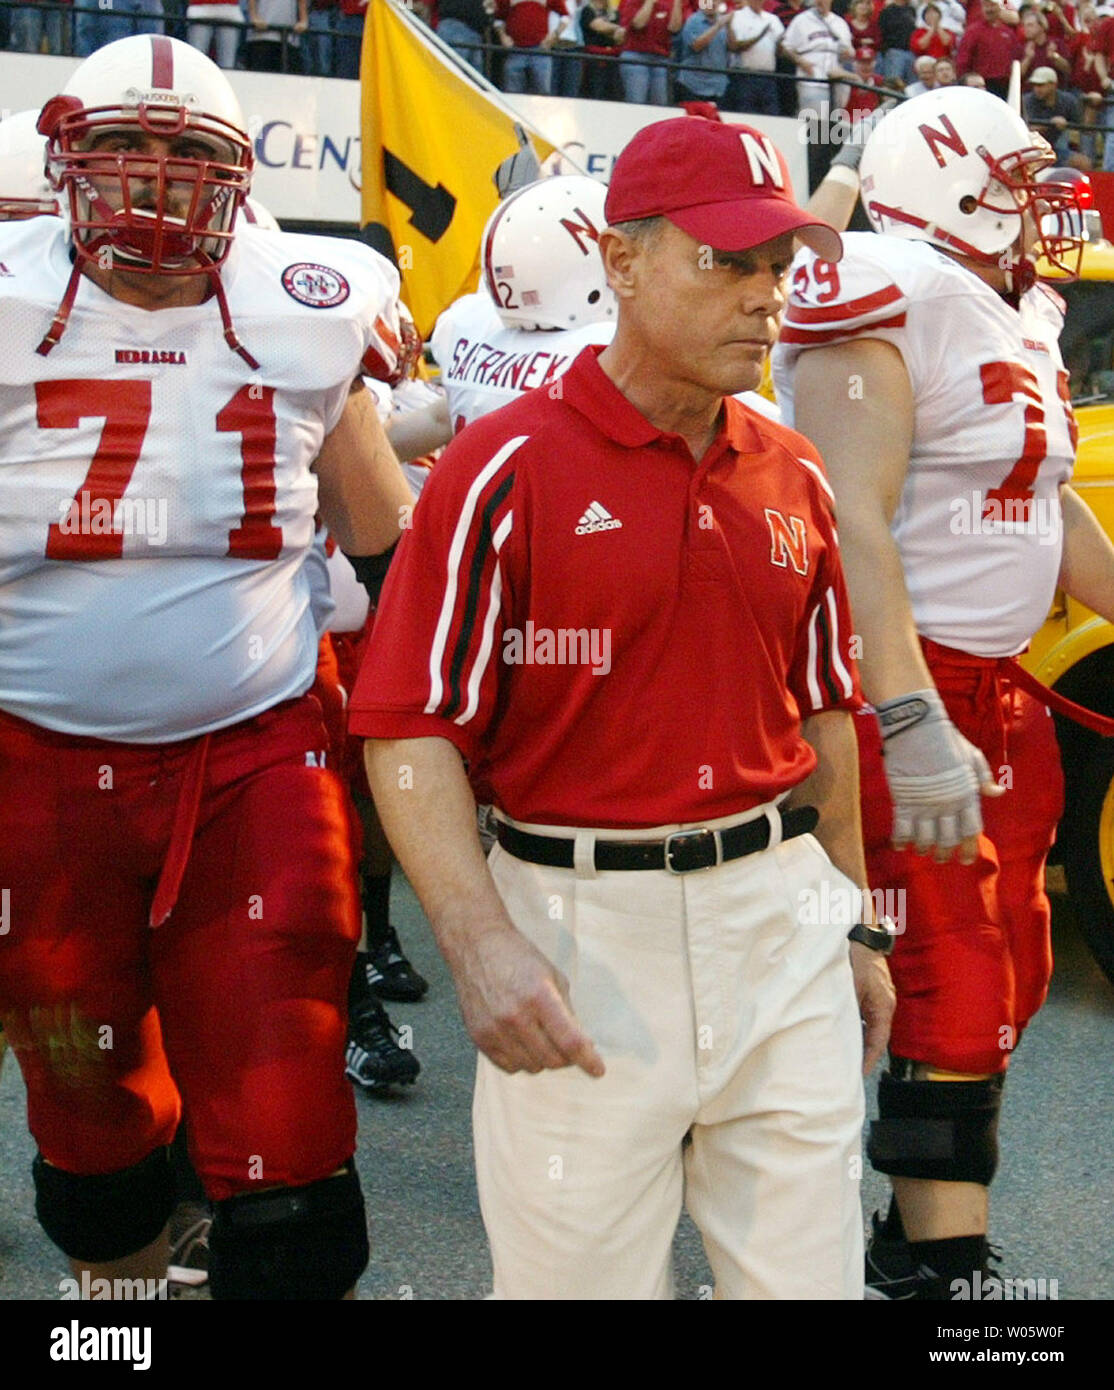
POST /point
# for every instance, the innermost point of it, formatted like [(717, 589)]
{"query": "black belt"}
[(679, 853)]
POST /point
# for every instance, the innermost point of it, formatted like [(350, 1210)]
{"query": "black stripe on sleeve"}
[(472, 598)]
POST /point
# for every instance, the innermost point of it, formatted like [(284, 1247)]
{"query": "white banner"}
[(593, 132), (307, 133)]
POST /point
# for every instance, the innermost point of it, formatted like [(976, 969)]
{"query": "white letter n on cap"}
[(762, 158)]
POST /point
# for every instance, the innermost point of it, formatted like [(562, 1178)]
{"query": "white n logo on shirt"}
[(762, 158), (788, 540)]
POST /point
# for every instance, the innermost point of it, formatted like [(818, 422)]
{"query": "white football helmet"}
[(170, 209), (24, 190), (958, 167), (540, 255)]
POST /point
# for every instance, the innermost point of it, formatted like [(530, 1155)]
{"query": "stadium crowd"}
[(773, 57)]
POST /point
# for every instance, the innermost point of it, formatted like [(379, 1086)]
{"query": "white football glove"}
[(933, 772)]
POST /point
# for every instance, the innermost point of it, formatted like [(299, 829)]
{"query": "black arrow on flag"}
[(431, 205)]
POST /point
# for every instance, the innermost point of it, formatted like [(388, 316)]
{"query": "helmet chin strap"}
[(207, 266), (1021, 276)]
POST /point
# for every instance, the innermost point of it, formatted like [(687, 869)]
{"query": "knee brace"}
[(107, 1215), (290, 1242), (946, 1130)]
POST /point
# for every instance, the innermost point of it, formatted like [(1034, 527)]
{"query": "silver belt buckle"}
[(689, 839)]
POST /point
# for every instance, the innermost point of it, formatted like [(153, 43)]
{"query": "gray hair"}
[(645, 230)]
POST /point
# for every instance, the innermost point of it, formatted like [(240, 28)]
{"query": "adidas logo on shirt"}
[(597, 518)]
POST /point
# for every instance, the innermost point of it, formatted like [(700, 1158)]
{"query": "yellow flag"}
[(432, 143)]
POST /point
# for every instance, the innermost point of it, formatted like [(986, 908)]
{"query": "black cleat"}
[(390, 974), (374, 1059), (892, 1276)]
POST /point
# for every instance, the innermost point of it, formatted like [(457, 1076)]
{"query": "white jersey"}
[(485, 365), (821, 40), (158, 575), (978, 524)]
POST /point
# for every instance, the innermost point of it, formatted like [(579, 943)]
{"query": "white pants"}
[(722, 1009)]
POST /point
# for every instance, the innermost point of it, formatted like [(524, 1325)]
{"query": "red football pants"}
[(237, 1002), (973, 963)]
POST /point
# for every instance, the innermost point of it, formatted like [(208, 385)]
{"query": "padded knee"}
[(290, 1242), (944, 1130), (107, 1215)]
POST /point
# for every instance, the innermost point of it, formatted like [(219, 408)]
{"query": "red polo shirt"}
[(611, 634)]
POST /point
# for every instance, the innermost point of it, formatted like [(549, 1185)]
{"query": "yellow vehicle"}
[(1073, 652)]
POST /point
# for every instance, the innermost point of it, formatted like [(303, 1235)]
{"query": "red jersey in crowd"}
[(941, 44), (527, 21), (988, 49), (655, 38)]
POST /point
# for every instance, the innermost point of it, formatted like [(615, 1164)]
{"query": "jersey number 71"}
[(125, 407)]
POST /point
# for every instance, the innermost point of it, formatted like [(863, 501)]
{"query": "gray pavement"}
[(1053, 1204)]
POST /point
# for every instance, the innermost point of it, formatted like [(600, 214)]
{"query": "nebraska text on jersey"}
[(160, 357)]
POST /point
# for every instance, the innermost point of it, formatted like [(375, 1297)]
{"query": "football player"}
[(925, 367), (24, 192), (543, 297), (181, 396)]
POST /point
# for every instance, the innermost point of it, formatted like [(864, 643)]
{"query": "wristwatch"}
[(880, 937)]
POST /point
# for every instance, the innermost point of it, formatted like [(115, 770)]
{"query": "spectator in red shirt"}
[(1008, 13), (988, 48), (1062, 20), (863, 25), (650, 26), (1083, 47), (524, 24), (933, 41), (1040, 51)]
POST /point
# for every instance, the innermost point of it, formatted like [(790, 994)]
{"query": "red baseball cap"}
[(724, 184)]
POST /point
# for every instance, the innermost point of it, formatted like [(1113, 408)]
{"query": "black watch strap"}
[(878, 938)]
